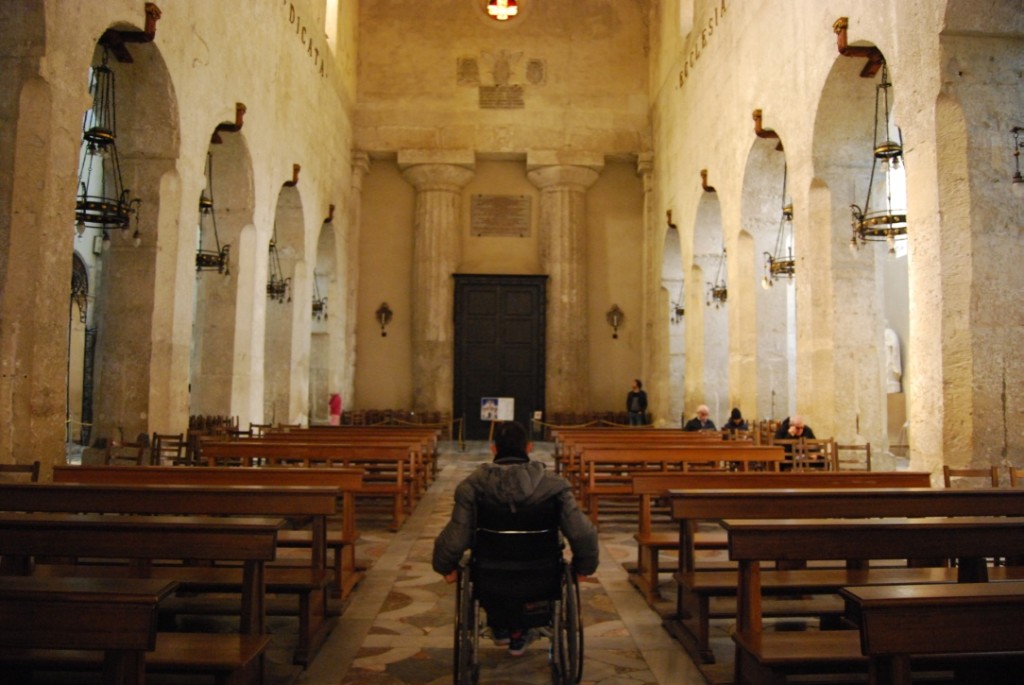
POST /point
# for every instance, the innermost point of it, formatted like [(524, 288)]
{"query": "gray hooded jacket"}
[(518, 484)]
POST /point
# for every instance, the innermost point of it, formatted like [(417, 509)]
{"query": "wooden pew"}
[(233, 658), (967, 619), (115, 617), (349, 481), (608, 473), (425, 441), (690, 624), (152, 494), (570, 442), (809, 453), (395, 473), (770, 657), (648, 487)]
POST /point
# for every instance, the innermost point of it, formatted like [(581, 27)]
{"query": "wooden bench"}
[(339, 541), (967, 619), (234, 659), (309, 582), (771, 657), (696, 588), (809, 453), (116, 618), (570, 443), (395, 473), (20, 471), (424, 439), (649, 487), (608, 473)]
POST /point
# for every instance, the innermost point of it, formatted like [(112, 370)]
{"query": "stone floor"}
[(397, 628)]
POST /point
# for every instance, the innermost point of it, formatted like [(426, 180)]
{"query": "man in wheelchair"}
[(513, 513)]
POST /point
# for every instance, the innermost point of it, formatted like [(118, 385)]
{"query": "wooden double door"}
[(499, 346)]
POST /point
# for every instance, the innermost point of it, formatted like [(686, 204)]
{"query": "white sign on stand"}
[(497, 408)]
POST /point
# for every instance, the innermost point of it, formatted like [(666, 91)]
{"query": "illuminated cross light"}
[(502, 9)]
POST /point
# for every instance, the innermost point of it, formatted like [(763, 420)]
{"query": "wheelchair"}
[(519, 573)]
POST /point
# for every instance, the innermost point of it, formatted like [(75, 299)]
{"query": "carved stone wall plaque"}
[(501, 216), (501, 97)]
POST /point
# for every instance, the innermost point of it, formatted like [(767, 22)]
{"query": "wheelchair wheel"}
[(466, 667), (567, 633)]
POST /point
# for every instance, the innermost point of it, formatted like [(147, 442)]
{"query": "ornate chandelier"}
[(277, 284), (780, 262), (718, 292), (319, 303), (883, 216), (103, 203), (210, 260)]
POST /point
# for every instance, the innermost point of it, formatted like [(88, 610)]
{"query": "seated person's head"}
[(510, 441), (796, 425), (703, 412), (736, 416)]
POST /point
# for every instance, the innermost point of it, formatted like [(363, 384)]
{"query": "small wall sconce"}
[(384, 315), (615, 318)]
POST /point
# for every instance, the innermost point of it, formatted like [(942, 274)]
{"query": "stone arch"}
[(128, 319), (325, 275), (229, 184), (288, 236), (847, 308), (672, 281), (767, 319), (707, 331)]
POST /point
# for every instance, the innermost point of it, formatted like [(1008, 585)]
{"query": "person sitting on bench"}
[(793, 427), (510, 485)]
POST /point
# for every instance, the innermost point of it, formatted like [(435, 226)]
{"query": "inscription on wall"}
[(499, 216), (500, 77), (316, 50), (501, 97), (697, 40)]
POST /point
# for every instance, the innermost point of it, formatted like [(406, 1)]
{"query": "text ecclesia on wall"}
[(697, 40)]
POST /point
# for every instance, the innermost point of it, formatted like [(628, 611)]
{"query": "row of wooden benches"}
[(305, 562), (851, 537)]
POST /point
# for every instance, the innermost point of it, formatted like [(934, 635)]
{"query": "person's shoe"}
[(501, 637), (517, 643)]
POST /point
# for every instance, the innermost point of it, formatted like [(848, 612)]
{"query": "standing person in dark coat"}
[(636, 404)]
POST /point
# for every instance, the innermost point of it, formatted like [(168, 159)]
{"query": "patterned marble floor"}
[(397, 628)]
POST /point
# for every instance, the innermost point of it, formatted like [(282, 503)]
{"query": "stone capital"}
[(566, 176), (360, 163), (447, 177)]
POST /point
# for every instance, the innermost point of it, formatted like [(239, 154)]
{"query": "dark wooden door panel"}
[(499, 346)]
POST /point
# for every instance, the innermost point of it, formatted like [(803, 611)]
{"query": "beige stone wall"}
[(613, 250), (782, 58), (565, 105), (203, 60), (581, 76), (573, 93)]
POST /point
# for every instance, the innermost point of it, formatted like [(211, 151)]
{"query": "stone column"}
[(563, 221), (437, 252), (654, 347), (346, 289)]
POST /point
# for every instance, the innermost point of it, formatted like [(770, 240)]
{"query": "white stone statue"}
[(893, 369)]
